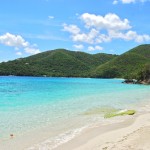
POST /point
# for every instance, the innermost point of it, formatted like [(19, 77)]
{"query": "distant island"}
[(133, 64)]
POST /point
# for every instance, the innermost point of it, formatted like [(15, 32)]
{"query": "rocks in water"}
[(133, 81), (130, 81), (146, 82)]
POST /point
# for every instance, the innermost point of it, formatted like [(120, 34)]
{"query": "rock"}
[(130, 81), (120, 113)]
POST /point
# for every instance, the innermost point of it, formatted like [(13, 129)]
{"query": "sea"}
[(65, 106)]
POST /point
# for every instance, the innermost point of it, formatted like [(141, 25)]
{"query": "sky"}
[(29, 27)]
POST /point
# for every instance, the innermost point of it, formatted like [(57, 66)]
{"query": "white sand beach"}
[(131, 134)]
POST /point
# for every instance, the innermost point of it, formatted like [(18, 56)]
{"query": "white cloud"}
[(32, 50), (51, 17), (93, 48), (115, 2), (80, 46), (13, 40), (18, 42), (85, 37), (129, 1), (99, 29), (19, 53), (130, 35), (71, 28), (110, 21), (102, 38), (98, 48)]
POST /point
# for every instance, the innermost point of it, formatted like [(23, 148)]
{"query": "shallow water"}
[(29, 103)]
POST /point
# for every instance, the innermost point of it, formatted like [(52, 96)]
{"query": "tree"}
[(144, 75)]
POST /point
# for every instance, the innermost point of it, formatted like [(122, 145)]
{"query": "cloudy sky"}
[(28, 27)]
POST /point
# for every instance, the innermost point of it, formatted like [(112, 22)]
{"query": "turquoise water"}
[(27, 103)]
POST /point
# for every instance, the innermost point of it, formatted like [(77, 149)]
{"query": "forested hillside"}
[(126, 65), (64, 63), (60, 63)]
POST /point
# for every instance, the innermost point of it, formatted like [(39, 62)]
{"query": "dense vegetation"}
[(135, 63), (144, 75), (58, 63), (127, 65)]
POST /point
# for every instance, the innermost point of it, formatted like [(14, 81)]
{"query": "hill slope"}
[(58, 62), (126, 65)]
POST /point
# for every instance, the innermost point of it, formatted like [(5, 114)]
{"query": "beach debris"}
[(120, 113), (11, 135)]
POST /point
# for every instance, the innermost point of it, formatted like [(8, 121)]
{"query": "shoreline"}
[(96, 137), (96, 133), (122, 136), (89, 135)]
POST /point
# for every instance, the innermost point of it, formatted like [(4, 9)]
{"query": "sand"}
[(131, 134)]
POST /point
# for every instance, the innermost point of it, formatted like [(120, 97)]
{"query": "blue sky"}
[(28, 27)]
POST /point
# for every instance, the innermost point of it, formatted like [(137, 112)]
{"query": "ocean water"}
[(29, 103)]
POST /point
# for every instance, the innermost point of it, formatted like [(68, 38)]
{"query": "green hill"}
[(64, 63), (126, 65), (58, 63)]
